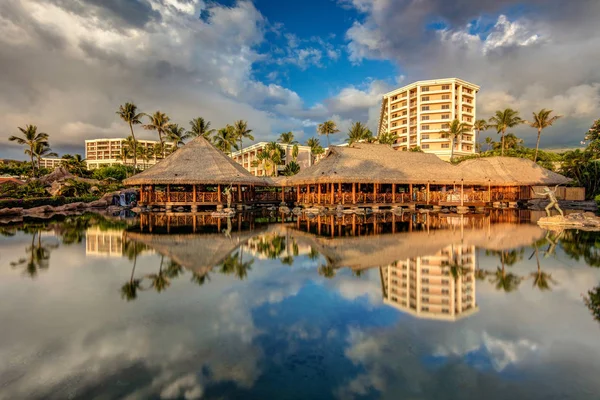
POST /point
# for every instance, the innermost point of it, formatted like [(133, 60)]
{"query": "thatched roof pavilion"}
[(508, 171), (198, 162)]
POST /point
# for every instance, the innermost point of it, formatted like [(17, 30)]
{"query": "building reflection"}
[(106, 243), (438, 286)]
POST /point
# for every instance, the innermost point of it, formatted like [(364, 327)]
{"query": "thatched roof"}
[(368, 163), (375, 251), (198, 162), (377, 163), (196, 252), (508, 171)]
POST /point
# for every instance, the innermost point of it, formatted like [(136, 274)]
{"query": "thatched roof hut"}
[(508, 171), (198, 162), (377, 163)]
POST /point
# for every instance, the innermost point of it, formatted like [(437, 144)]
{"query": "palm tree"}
[(128, 113), (160, 123), (503, 120), (31, 138), (40, 150), (225, 139), (200, 127), (388, 138), (457, 130), (506, 281), (287, 138), (358, 132), (128, 150), (38, 255), (490, 142), (74, 164), (478, 126), (295, 151), (145, 154), (542, 120), (177, 135), (199, 279), (275, 154), (292, 168), (130, 288), (160, 281), (541, 280), (327, 128), (242, 132), (315, 146)]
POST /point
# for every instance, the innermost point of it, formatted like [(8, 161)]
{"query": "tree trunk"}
[(134, 148), (32, 163), (537, 145), (327, 134), (451, 149), (502, 140)]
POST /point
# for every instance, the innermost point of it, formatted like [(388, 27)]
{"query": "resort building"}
[(439, 286), (418, 112), (108, 152), (50, 163), (106, 243), (248, 158)]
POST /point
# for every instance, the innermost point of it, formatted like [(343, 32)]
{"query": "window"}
[(445, 87), (404, 130), (424, 117), (425, 299), (445, 311), (445, 126), (445, 106), (425, 128), (394, 107), (425, 280), (394, 124), (425, 89), (425, 108), (445, 281), (425, 98), (445, 146), (445, 116), (424, 308), (445, 97), (425, 136), (395, 98), (394, 115), (445, 291), (425, 290), (425, 146)]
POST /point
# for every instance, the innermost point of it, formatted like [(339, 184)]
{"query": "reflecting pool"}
[(412, 306)]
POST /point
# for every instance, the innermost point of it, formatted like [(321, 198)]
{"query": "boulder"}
[(98, 204), (11, 211), (38, 210)]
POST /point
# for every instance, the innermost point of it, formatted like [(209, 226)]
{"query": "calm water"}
[(411, 307)]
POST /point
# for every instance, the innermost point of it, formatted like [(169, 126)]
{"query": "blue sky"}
[(287, 65)]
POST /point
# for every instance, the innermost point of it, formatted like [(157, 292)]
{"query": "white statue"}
[(551, 194), (227, 192)]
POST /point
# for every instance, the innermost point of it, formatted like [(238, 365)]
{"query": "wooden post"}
[(462, 190), (298, 193), (410, 192), (353, 193), (239, 188), (283, 194), (319, 193), (489, 190), (427, 194), (219, 196), (332, 186), (141, 193), (374, 193), (393, 192), (168, 193)]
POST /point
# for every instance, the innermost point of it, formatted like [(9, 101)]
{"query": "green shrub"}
[(597, 199), (118, 172), (74, 188), (30, 189), (45, 201)]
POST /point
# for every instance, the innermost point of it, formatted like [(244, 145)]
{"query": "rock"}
[(137, 210), (11, 211), (575, 220), (38, 210), (98, 204), (94, 189)]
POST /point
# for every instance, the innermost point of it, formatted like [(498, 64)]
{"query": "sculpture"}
[(551, 194), (227, 192)]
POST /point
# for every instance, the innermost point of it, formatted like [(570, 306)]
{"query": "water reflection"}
[(254, 307)]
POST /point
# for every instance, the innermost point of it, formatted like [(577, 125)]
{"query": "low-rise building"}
[(50, 162), (108, 152), (248, 158)]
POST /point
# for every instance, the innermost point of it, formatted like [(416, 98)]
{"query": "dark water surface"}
[(380, 306)]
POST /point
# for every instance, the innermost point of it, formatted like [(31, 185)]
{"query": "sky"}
[(283, 66)]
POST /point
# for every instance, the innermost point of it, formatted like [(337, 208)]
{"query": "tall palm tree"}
[(225, 139), (456, 131), (177, 135), (145, 154), (478, 126), (38, 255), (359, 132), (542, 120), (506, 281), (242, 132), (128, 113), (503, 120), (541, 280), (489, 142), (41, 150), (295, 151), (128, 150), (160, 123), (287, 138), (327, 128), (31, 138), (315, 146), (200, 127)]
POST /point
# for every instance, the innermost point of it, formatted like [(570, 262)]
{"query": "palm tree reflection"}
[(37, 254), (507, 282), (541, 280)]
